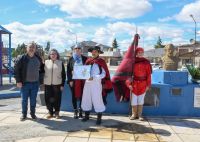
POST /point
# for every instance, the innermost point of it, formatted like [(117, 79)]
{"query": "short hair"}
[(54, 50), (31, 44)]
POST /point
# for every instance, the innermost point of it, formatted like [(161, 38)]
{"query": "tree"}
[(47, 48), (159, 43), (114, 44), (21, 49)]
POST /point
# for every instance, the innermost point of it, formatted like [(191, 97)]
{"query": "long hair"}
[(54, 50)]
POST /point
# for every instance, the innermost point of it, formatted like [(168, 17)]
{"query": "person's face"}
[(53, 55), (170, 52), (140, 54), (95, 53), (77, 51), (31, 49)]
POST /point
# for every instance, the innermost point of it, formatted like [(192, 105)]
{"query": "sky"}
[(63, 21)]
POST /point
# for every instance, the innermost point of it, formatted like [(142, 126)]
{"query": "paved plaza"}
[(115, 128)]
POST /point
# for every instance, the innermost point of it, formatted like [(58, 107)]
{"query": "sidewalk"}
[(115, 128)]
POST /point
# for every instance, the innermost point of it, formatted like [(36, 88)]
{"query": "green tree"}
[(47, 48), (21, 49), (114, 43), (159, 43)]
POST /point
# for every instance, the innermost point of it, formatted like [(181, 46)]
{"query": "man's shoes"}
[(23, 118), (33, 116)]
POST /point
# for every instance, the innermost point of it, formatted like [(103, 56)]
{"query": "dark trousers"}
[(74, 99), (29, 89), (53, 96)]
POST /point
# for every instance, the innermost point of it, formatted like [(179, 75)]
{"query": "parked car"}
[(156, 66)]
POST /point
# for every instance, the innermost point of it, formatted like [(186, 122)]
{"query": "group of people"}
[(31, 71)]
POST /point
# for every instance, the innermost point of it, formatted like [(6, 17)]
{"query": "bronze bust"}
[(170, 61)]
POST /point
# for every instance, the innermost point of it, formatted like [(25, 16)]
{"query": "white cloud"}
[(53, 30), (184, 14), (192, 8), (149, 34), (102, 8)]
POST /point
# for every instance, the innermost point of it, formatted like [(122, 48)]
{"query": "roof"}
[(91, 44), (158, 52), (4, 30)]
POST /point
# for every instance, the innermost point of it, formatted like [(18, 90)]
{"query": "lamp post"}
[(74, 34), (195, 30)]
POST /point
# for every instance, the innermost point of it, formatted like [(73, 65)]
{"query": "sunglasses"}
[(78, 48)]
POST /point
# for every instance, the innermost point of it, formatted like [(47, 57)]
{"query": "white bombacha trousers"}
[(92, 95)]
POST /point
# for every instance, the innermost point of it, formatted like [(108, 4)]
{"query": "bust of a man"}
[(170, 61)]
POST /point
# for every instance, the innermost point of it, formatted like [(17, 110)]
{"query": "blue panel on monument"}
[(170, 77)]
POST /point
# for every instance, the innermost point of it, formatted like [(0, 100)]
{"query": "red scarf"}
[(106, 82)]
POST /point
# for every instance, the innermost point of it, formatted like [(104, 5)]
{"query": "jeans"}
[(29, 89)]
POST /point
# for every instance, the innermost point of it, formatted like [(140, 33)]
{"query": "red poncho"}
[(106, 82)]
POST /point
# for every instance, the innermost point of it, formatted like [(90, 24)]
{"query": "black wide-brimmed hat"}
[(96, 47)]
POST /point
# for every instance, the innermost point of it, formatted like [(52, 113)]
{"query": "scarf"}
[(77, 58)]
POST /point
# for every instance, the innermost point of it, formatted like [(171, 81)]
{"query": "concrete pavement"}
[(115, 128)]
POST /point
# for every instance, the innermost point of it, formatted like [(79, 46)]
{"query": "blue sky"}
[(60, 21)]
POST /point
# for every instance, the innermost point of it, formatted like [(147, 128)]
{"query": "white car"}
[(155, 66)]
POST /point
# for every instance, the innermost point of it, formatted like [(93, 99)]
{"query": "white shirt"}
[(95, 72)]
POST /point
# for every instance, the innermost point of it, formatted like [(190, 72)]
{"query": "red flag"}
[(125, 71)]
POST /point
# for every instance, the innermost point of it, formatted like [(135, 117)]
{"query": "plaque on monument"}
[(197, 97)]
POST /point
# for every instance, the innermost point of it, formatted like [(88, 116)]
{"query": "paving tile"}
[(122, 135), (169, 138), (101, 133), (190, 138), (163, 129), (156, 121), (183, 130), (98, 140), (30, 140), (15, 120), (3, 115), (122, 141), (53, 139), (146, 137), (81, 133), (76, 139)]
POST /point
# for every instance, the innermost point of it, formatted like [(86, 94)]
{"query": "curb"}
[(10, 95)]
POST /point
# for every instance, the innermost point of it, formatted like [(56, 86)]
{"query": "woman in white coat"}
[(54, 80)]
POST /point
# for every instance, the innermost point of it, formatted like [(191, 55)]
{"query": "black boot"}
[(86, 117), (75, 114), (80, 114), (99, 115)]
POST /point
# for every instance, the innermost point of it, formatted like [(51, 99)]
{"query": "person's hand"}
[(147, 89), (19, 85), (61, 88), (71, 83), (130, 87), (91, 78)]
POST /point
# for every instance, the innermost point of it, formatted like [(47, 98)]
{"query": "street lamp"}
[(195, 30), (73, 34)]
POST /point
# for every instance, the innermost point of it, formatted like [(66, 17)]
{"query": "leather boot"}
[(80, 114), (99, 115), (140, 108), (134, 113), (75, 114), (86, 117)]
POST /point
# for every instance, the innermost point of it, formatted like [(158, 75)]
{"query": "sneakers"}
[(23, 118)]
